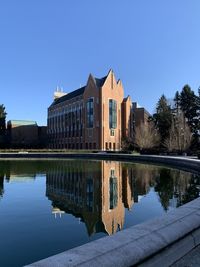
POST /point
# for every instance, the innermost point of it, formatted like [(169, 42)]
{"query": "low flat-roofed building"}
[(26, 134), (22, 133)]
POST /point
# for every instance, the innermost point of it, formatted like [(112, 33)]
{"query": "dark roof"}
[(100, 82), (80, 91), (71, 95)]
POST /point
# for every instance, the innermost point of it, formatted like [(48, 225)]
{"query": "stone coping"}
[(157, 242), (136, 244), (186, 163)]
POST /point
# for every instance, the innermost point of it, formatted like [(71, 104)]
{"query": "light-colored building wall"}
[(111, 90), (92, 135), (92, 192)]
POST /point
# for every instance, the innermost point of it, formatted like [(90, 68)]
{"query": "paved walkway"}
[(192, 259)]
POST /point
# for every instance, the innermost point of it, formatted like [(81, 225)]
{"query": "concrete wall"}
[(158, 242)]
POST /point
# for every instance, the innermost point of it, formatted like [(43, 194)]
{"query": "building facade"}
[(93, 192), (22, 133), (140, 115), (91, 117), (26, 134)]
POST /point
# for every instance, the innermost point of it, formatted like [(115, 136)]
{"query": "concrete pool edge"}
[(160, 241), (178, 162), (157, 242)]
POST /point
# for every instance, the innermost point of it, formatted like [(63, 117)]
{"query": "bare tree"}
[(146, 136), (184, 133), (180, 135), (171, 143)]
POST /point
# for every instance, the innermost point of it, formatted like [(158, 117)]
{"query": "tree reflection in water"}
[(98, 192)]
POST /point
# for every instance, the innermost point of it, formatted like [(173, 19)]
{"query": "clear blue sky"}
[(153, 46)]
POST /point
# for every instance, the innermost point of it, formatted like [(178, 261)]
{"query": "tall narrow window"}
[(113, 191), (90, 113), (89, 196), (112, 114)]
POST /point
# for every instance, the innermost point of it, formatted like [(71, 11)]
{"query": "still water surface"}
[(47, 207)]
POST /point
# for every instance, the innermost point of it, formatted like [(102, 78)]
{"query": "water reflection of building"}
[(19, 170), (98, 192), (20, 178), (128, 186), (92, 191)]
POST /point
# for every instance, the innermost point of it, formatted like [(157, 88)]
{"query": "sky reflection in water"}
[(47, 207)]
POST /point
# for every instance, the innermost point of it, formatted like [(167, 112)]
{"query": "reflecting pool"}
[(47, 207)]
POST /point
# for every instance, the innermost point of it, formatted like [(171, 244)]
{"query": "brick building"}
[(26, 134), (93, 192), (140, 115), (22, 133), (91, 117)]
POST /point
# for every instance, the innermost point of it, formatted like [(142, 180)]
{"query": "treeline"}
[(3, 139), (174, 127)]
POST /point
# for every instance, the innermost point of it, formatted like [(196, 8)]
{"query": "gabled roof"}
[(126, 98), (100, 82)]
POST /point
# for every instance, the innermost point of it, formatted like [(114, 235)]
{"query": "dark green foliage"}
[(2, 126), (1, 185), (165, 187), (163, 118), (192, 191), (2, 119), (189, 104), (187, 107), (176, 102)]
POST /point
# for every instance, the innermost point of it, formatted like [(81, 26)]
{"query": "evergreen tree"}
[(190, 107), (2, 126), (177, 102), (165, 187), (163, 119)]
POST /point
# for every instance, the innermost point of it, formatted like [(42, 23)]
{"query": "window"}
[(112, 173), (81, 130), (112, 114), (90, 113), (112, 132), (106, 146), (113, 192), (114, 147), (89, 194)]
